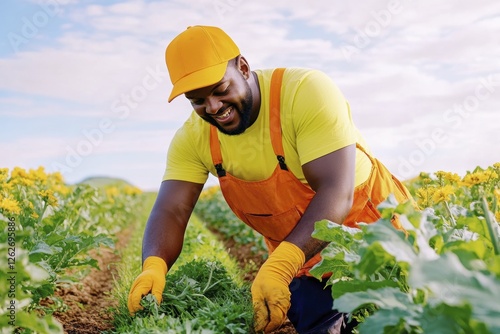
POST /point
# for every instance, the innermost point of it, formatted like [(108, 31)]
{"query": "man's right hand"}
[(152, 279)]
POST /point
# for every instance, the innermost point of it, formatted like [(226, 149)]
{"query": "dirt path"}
[(90, 300)]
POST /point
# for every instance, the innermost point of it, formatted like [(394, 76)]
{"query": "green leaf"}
[(45, 325), (386, 322), (42, 248), (391, 240), (493, 265), (336, 266), (342, 251), (329, 231), (374, 258), (342, 287), (384, 298), (434, 321), (451, 283), (473, 224)]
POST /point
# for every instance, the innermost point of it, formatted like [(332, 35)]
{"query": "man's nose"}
[(213, 105)]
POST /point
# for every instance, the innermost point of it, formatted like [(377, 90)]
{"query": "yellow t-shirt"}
[(315, 120)]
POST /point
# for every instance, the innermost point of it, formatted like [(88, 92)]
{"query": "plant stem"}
[(489, 224), (453, 221)]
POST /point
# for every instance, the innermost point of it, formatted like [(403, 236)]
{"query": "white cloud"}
[(107, 61)]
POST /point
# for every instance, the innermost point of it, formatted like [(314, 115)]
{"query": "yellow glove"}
[(270, 292), (152, 279)]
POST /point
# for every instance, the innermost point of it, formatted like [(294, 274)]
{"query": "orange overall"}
[(274, 206)]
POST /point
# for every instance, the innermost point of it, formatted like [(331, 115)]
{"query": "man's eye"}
[(223, 92), (196, 102)]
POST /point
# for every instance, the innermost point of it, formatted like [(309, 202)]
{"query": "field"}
[(71, 253)]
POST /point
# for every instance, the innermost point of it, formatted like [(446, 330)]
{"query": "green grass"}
[(204, 292)]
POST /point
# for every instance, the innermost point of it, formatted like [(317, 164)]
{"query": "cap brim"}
[(199, 79)]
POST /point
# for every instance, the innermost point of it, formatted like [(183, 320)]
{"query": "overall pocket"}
[(274, 227)]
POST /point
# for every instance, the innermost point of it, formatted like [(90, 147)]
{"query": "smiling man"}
[(287, 154), (229, 104)]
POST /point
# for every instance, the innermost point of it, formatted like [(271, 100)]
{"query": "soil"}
[(89, 301)]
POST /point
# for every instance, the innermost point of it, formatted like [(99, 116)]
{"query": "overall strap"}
[(274, 116), (216, 152), (362, 149)]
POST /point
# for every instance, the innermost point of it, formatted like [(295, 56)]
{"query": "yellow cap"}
[(198, 58)]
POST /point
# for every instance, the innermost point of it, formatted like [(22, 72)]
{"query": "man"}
[(287, 154)]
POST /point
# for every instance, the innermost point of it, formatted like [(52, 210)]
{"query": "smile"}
[(225, 114)]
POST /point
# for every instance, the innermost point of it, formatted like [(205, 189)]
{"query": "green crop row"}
[(204, 292), (48, 230), (440, 275)]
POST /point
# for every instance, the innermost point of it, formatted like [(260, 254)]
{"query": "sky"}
[(84, 86)]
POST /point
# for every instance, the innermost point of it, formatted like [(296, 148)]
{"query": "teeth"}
[(226, 113)]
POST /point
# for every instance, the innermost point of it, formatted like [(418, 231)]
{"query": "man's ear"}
[(243, 67)]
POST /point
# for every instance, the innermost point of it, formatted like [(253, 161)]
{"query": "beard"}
[(244, 113)]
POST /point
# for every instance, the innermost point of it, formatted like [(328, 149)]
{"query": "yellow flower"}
[(480, 177), (48, 197), (424, 195), (38, 175), (7, 187), (4, 174), (21, 177), (497, 216), (10, 205), (61, 189), (425, 177), (56, 178), (496, 165), (448, 176), (442, 194), (131, 190), (112, 192)]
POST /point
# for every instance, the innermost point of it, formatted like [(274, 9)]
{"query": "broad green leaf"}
[(385, 298), (45, 325), (334, 265), (493, 265), (386, 321), (342, 287), (434, 321), (387, 207), (374, 257), (451, 283), (473, 224), (392, 241), (393, 306), (342, 249), (450, 319), (329, 231)]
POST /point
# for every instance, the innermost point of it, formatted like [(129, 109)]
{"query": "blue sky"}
[(84, 86)]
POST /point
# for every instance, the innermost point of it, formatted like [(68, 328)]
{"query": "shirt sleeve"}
[(183, 161), (321, 117)]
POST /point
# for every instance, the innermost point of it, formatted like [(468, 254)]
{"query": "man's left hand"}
[(270, 289)]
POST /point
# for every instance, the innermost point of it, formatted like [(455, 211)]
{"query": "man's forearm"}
[(163, 238), (331, 204), (164, 233)]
